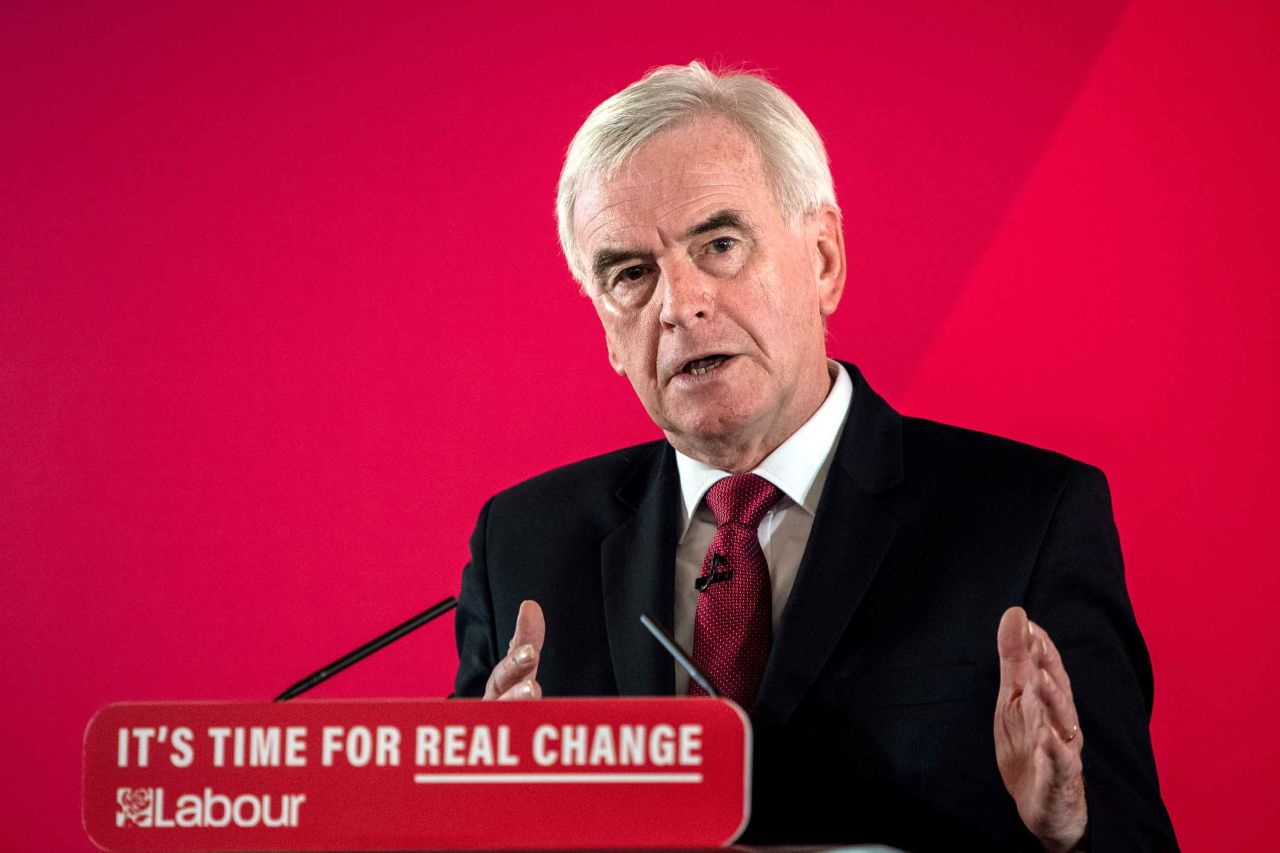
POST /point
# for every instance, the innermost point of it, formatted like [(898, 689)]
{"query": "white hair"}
[(794, 158)]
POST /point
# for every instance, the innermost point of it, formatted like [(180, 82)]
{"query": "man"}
[(861, 577)]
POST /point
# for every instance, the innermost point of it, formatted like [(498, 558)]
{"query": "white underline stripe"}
[(545, 778)]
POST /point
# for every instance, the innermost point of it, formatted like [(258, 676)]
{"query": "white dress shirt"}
[(798, 467)]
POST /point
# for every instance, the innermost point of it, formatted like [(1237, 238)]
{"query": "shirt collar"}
[(797, 467)]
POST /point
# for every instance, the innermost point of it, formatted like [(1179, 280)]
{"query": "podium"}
[(417, 774)]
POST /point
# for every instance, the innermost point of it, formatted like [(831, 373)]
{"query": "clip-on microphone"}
[(719, 572)]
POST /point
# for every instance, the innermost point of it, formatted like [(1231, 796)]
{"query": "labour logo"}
[(136, 806)]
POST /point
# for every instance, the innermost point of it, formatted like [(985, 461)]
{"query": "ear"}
[(829, 266), (615, 361)]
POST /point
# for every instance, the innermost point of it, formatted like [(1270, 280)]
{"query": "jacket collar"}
[(856, 520), (637, 562)]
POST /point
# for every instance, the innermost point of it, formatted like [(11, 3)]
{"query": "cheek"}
[(631, 350), (783, 302), (796, 296)]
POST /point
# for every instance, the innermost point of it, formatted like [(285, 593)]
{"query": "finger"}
[(1008, 722), (521, 663), (1045, 708), (1013, 643), (1046, 656), (1063, 767), (523, 652), (530, 633), (1033, 716), (527, 689), (1060, 711), (531, 628), (1051, 798)]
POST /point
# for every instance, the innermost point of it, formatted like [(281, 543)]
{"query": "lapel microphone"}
[(719, 572)]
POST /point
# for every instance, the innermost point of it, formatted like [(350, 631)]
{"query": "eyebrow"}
[(604, 259), (727, 218)]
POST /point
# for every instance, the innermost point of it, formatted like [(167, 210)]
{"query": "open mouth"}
[(701, 366)]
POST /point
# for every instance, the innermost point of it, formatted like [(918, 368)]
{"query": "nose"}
[(688, 295)]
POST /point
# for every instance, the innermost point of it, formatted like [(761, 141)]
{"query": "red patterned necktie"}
[(734, 619)]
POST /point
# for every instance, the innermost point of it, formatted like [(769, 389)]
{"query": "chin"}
[(719, 426)]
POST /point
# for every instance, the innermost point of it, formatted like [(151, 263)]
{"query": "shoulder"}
[(881, 448), (978, 462), (559, 517), (932, 437), (1001, 507)]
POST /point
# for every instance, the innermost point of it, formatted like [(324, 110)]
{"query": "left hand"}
[(1037, 733)]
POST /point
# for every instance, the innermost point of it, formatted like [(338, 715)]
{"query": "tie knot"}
[(742, 498)]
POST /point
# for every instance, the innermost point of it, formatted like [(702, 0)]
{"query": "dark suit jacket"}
[(874, 720)]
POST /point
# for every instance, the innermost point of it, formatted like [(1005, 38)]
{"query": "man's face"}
[(713, 305)]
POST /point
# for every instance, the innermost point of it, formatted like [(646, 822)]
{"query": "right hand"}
[(516, 675)]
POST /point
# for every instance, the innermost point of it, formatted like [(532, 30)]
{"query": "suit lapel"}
[(856, 520), (638, 565)]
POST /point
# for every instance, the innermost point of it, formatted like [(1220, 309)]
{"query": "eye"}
[(628, 276), (720, 245)]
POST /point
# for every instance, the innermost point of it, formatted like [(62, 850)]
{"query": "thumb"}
[(1013, 642), (530, 627)]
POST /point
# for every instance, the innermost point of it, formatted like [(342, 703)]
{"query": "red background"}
[(281, 304)]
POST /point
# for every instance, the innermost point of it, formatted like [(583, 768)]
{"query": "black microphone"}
[(669, 643), (719, 572), (367, 649)]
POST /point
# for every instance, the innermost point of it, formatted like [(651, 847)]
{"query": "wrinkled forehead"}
[(670, 183)]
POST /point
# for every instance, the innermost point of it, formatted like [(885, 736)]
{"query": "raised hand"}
[(1037, 734), (516, 675)]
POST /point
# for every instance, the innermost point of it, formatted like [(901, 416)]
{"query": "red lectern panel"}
[(408, 774)]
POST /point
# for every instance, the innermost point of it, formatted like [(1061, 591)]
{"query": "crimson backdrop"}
[(281, 305)]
